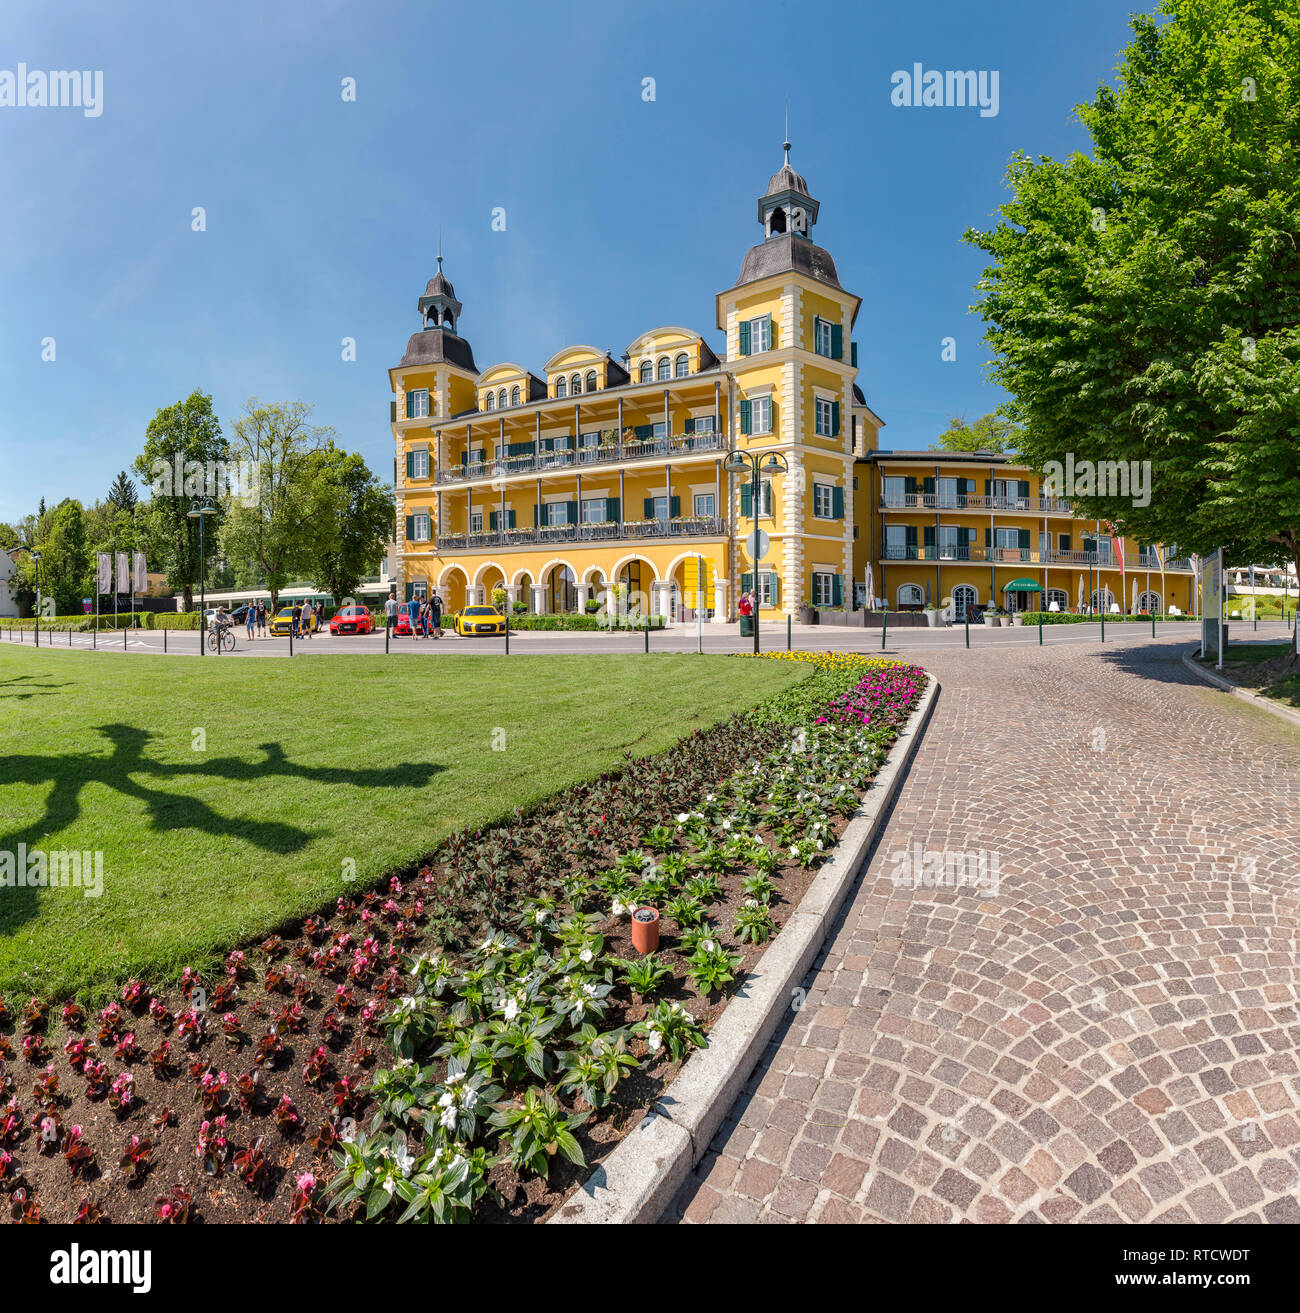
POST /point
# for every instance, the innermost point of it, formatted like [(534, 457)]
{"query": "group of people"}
[(256, 620), (427, 620)]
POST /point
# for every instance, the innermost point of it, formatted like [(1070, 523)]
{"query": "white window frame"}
[(763, 586), (823, 501), (760, 406), (703, 497), (552, 507), (490, 401), (823, 417), (594, 510), (646, 374), (654, 509), (708, 427), (419, 403), (823, 588), (420, 463), (914, 598), (561, 386), (895, 496), (823, 339), (895, 540), (999, 534), (664, 370), (760, 334), (682, 365), (422, 526), (476, 521)]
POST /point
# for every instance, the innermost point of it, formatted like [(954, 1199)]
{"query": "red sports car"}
[(353, 620)]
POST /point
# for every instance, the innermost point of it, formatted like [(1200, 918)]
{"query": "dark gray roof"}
[(440, 286), (786, 179), (785, 254), (437, 346), (944, 457), (859, 396)]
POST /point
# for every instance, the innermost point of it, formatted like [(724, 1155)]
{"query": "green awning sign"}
[(1022, 586)]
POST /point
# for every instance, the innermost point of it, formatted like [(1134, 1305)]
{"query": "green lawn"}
[(228, 795)]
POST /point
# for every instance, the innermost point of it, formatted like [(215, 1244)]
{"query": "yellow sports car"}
[(475, 620), (282, 623)]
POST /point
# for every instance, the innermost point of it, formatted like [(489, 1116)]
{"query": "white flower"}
[(447, 1120), (655, 1040), (510, 1008), (683, 817), (585, 955), (468, 1098), (589, 990), (708, 945), (539, 917), (726, 825), (579, 1008), (405, 1161)]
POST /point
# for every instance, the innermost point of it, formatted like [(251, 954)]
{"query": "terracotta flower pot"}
[(645, 929)]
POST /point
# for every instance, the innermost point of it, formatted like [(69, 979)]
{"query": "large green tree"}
[(356, 518), (187, 432), (65, 575), (1143, 303), (277, 525)]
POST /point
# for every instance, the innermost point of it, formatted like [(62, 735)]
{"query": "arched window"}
[(575, 385), (591, 380), (514, 395), (489, 401), (1056, 599), (647, 372), (561, 386), (911, 595), (1102, 599), (964, 597), (665, 367), (682, 365), (1150, 603), (501, 399)]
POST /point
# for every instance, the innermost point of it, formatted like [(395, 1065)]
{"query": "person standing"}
[(297, 620), (250, 621), (308, 616), (261, 619), (435, 614), (390, 612)]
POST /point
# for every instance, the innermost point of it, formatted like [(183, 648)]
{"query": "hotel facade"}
[(593, 472)]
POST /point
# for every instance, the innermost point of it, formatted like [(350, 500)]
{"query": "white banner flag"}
[(123, 574), (104, 568), (139, 582)]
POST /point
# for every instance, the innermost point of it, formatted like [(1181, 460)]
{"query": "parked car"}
[(282, 623), (404, 623), (353, 620), (478, 620)]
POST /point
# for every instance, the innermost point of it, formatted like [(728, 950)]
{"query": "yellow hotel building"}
[(555, 486)]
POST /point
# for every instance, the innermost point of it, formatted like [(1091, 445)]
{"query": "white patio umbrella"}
[(1134, 609), (1079, 603), (871, 589)]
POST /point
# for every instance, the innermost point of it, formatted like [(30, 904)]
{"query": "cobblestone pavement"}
[(1112, 1036)]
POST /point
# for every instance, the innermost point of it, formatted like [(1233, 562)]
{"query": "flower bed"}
[(472, 1041)]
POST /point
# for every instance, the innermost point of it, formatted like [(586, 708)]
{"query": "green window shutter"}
[(572, 513), (988, 487), (837, 590), (853, 349), (772, 410), (410, 406), (837, 503), (744, 337), (1024, 540), (746, 500), (1024, 487), (392, 412), (909, 485), (771, 333), (746, 417), (410, 528), (911, 535), (648, 508), (611, 508), (928, 486), (774, 587), (988, 536), (929, 535), (837, 342), (492, 521), (835, 419), (644, 432), (410, 592), (746, 583), (537, 515), (674, 507), (689, 426), (464, 459), (410, 464)]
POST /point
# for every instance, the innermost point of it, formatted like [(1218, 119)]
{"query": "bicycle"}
[(221, 639)]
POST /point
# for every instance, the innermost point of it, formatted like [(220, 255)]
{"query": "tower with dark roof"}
[(438, 342)]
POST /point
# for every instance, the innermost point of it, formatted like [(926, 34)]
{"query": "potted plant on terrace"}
[(991, 618)]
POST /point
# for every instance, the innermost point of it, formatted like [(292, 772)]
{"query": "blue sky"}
[(621, 214)]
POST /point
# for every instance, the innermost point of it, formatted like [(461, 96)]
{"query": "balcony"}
[(942, 501), (686, 526), (688, 444), (965, 553)]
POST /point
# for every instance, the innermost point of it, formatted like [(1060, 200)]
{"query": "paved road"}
[(1112, 1035), (914, 642)]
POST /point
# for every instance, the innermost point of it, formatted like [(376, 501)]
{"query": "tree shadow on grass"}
[(29, 686), (121, 770)]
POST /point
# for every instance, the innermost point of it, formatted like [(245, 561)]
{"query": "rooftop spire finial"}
[(440, 248), (787, 130)]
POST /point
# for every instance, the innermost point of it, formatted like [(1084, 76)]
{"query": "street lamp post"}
[(201, 513), (751, 463), (35, 554)]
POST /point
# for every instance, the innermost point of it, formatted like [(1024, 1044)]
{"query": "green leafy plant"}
[(704, 887), (754, 922), (596, 1066), (660, 839), (644, 976), (712, 967), (759, 887), (534, 1129), (670, 1026), (685, 910)]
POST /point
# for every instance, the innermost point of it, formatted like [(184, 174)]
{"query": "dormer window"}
[(501, 399), (576, 384), (561, 386), (514, 395), (647, 372), (682, 365), (591, 380), (665, 368), (489, 402)]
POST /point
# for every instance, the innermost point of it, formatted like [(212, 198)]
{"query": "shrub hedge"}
[(1068, 618)]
